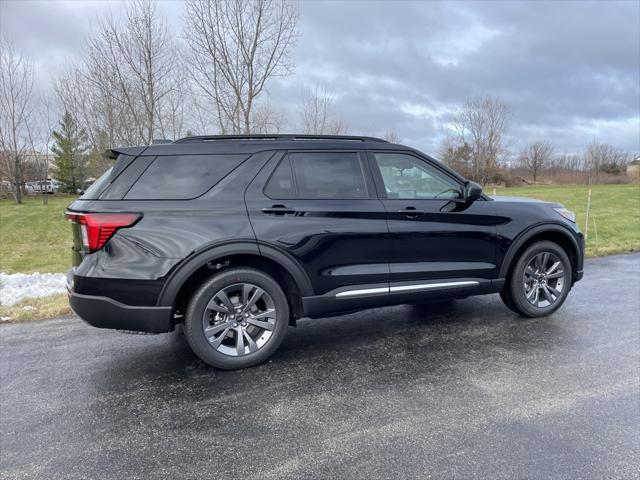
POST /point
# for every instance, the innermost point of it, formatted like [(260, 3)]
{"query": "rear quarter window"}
[(182, 177), (97, 187), (101, 185)]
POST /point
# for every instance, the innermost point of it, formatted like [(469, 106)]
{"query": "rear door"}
[(321, 208), (436, 235)]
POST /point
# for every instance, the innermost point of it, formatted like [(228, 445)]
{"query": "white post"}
[(586, 223)]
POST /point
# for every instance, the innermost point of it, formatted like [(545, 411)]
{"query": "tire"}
[(546, 284), (505, 295), (248, 335)]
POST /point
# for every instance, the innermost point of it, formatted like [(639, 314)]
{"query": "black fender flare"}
[(527, 235), (187, 267)]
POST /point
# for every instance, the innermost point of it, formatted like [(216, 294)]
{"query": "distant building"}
[(34, 165)]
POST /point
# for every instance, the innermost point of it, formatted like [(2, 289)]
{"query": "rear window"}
[(182, 177)]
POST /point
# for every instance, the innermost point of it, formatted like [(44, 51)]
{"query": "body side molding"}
[(418, 287), (431, 286)]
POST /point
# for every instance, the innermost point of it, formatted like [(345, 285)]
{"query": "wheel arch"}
[(552, 232), (202, 265)]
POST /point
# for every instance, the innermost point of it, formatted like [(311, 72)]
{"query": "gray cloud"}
[(569, 70)]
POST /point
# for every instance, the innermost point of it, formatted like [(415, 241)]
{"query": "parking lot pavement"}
[(455, 390)]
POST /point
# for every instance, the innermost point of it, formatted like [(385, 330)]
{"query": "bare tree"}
[(81, 91), (93, 108), (536, 156), (316, 113), (132, 63), (481, 124), (16, 113), (315, 110), (601, 157), (568, 163), (339, 127), (200, 120), (172, 115), (267, 120), (46, 132), (392, 137), (236, 47)]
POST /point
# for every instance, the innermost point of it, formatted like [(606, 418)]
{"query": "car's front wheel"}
[(540, 280), (237, 319)]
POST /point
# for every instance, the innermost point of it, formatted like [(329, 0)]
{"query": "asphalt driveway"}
[(455, 390)]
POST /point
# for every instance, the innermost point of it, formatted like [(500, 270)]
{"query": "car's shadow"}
[(407, 341)]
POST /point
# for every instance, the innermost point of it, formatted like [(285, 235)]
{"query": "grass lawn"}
[(614, 215), (35, 237), (53, 306)]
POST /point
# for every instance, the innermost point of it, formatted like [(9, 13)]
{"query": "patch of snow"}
[(18, 286)]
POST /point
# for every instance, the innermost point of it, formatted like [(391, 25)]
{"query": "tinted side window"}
[(98, 186), (280, 185), (95, 190), (406, 176), (182, 177), (123, 182), (328, 175)]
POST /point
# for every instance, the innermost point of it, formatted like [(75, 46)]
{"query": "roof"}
[(248, 144), (277, 137)]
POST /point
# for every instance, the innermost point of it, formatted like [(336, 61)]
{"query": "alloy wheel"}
[(544, 279), (239, 319)]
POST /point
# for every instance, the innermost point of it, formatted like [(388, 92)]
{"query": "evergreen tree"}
[(69, 154), (97, 163), (459, 157)]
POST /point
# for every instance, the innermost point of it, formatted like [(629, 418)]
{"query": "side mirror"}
[(472, 191)]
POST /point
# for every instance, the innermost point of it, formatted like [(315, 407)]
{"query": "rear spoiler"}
[(113, 153)]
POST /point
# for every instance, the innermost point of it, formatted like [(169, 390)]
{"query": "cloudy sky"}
[(569, 70)]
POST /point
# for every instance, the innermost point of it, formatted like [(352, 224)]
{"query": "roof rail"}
[(290, 137)]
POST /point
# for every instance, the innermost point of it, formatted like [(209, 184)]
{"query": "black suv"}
[(239, 236)]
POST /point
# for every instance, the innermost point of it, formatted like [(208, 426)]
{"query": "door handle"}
[(278, 210), (411, 212)]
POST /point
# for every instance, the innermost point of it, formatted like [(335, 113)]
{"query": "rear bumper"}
[(104, 312)]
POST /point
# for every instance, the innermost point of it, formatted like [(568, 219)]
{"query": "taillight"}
[(97, 228)]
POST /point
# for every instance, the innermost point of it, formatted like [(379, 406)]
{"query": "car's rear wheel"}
[(505, 295), (540, 280), (237, 319)]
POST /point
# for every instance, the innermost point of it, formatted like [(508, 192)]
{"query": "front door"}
[(437, 237), (321, 208)]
